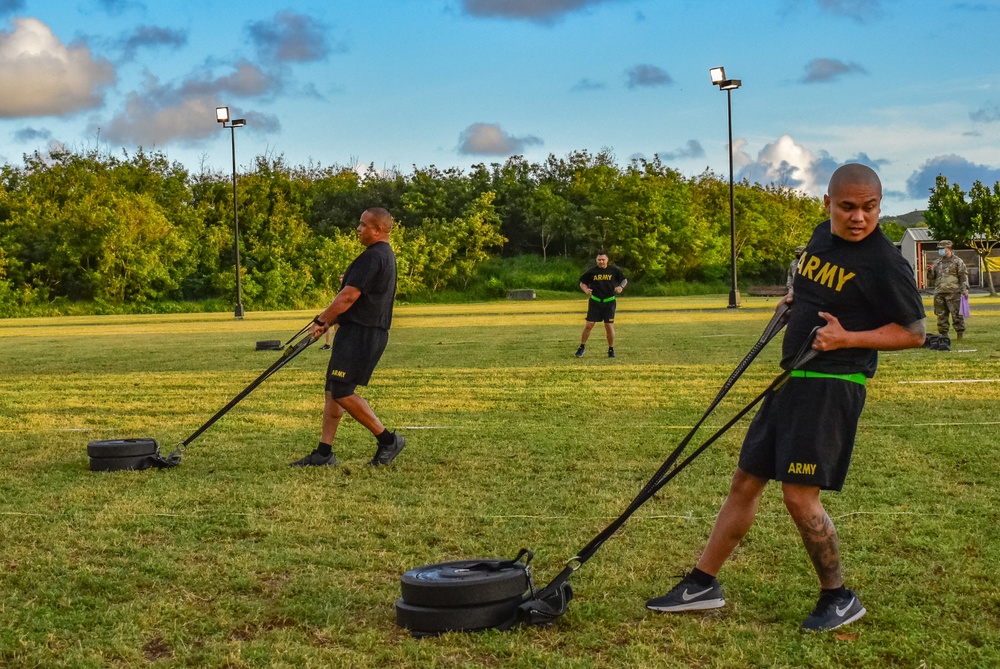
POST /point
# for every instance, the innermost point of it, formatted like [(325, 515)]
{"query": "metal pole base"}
[(239, 311), (734, 299)]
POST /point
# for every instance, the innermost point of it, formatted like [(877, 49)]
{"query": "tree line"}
[(140, 229)]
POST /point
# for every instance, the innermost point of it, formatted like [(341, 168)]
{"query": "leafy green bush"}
[(531, 272)]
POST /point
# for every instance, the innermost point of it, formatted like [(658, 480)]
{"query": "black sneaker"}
[(386, 454), (689, 596), (314, 459), (611, 352), (832, 612), (324, 347), (580, 351)]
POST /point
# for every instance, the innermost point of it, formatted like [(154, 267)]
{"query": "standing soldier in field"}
[(362, 314), (602, 282), (793, 267), (950, 277)]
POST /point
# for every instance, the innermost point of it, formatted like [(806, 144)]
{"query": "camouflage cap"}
[(944, 243), (800, 249)]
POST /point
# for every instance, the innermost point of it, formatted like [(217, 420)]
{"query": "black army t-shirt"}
[(602, 281), (374, 274), (865, 284)]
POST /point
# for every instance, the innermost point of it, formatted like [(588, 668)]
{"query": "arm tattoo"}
[(820, 539)]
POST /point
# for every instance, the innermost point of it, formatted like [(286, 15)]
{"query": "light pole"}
[(730, 85), (222, 116)]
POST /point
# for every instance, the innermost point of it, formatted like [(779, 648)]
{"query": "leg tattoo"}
[(820, 539)]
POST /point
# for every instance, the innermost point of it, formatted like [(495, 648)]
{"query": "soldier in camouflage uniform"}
[(951, 281)]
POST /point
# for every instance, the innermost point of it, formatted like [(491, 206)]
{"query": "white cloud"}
[(30, 134), (41, 76), (958, 170), (542, 11), (827, 69), (163, 113), (859, 10), (291, 37), (587, 84), (692, 149), (489, 139), (787, 163), (647, 75)]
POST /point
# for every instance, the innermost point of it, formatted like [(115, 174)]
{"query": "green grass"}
[(235, 560)]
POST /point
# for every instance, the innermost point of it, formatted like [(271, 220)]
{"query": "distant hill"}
[(914, 219)]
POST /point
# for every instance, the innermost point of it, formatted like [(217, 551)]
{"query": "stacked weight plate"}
[(118, 454), (463, 596)]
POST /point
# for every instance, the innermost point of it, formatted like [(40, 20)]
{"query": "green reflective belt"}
[(857, 377), (606, 299)]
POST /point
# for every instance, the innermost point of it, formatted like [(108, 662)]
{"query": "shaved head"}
[(383, 218), (854, 174), (852, 201)]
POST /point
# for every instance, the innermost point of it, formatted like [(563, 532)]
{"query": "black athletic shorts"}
[(804, 433), (356, 352), (338, 388), (601, 311)]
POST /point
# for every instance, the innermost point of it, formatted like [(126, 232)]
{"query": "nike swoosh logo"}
[(842, 611), (687, 597)]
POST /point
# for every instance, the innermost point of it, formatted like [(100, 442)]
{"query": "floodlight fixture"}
[(222, 116), (718, 75)]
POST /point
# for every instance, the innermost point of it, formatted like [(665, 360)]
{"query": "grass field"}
[(234, 559)]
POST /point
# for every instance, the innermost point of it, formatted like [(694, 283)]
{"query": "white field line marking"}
[(926, 424), (962, 350), (955, 381), (861, 424)]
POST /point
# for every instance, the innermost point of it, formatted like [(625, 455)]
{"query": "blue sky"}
[(911, 87)]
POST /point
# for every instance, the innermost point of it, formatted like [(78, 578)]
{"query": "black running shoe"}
[(386, 454), (315, 459), (580, 351), (324, 347), (689, 596), (832, 612), (611, 352)]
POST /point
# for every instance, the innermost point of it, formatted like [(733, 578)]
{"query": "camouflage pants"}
[(949, 303)]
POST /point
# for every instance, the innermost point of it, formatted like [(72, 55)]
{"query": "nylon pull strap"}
[(290, 352), (664, 473)]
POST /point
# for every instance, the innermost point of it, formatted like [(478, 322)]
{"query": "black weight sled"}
[(478, 611), (466, 595), (137, 454)]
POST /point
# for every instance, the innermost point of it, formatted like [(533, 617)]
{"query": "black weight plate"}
[(121, 448), (464, 583), (134, 462), (269, 345), (434, 620)]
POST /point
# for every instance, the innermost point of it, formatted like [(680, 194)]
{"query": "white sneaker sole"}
[(704, 605)]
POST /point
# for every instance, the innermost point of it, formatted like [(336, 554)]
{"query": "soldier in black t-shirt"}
[(362, 310), (854, 285), (602, 283)]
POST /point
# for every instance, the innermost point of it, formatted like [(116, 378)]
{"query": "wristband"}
[(318, 322)]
